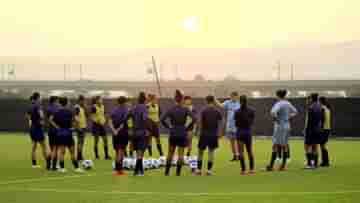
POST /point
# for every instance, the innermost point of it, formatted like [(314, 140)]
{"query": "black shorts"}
[(244, 136), (52, 134), (154, 129), (120, 141), (312, 137), (139, 140), (208, 140), (37, 134), (98, 129), (325, 136), (178, 141), (65, 138)]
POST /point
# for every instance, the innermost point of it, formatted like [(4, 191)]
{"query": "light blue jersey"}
[(282, 112), (231, 107)]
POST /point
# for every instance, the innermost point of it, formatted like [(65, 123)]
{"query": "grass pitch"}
[(339, 183)]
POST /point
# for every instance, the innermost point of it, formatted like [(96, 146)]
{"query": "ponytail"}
[(243, 102)]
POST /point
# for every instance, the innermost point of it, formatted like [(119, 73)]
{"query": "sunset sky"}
[(72, 28)]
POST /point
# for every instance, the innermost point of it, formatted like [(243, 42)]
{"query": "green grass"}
[(340, 183)]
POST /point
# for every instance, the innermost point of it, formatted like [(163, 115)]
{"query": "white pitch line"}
[(45, 179), (192, 194)]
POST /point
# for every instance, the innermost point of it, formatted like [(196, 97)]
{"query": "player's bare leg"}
[(96, 148), (33, 154), (211, 157), (46, 154), (106, 149), (199, 162)]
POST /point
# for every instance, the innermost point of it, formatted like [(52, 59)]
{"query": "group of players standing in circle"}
[(134, 126)]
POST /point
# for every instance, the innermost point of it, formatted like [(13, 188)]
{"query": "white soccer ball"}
[(162, 161), (186, 160), (156, 164), (87, 164), (146, 164), (126, 163), (132, 163)]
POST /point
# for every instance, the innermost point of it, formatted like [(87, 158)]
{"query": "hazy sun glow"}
[(191, 24)]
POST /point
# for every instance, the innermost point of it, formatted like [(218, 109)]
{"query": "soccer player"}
[(230, 107), (191, 131), (281, 112), (210, 123), (98, 126), (63, 121), (178, 131), (154, 124), (52, 134), (118, 125), (139, 115), (81, 125), (35, 118), (244, 120), (326, 130), (313, 128)]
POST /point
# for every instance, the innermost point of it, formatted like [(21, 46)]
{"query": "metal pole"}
[(156, 75)]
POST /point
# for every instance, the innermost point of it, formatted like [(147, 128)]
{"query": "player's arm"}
[(219, 104), (52, 122), (164, 120), (274, 112), (193, 120), (112, 128), (42, 115), (222, 127), (293, 111), (28, 119)]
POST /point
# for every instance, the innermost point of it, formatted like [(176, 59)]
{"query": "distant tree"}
[(199, 78), (230, 78)]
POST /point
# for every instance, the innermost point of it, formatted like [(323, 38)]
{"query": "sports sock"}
[(284, 159), (54, 162), (242, 164), (137, 167), (106, 150), (178, 168), (167, 167), (188, 154), (280, 154), (159, 147), (48, 163), (117, 166), (288, 153), (62, 164), (309, 158), (76, 164), (199, 165), (125, 153), (96, 151), (210, 165), (325, 157), (251, 162), (33, 162), (316, 159), (273, 158), (141, 167), (150, 150), (79, 156), (132, 153)]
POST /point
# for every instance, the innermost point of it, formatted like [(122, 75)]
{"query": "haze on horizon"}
[(115, 39)]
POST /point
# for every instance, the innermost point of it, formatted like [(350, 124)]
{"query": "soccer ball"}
[(132, 163), (156, 164), (147, 164), (186, 160), (87, 164), (162, 161), (126, 163)]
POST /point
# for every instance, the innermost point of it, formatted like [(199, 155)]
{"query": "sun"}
[(191, 24)]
